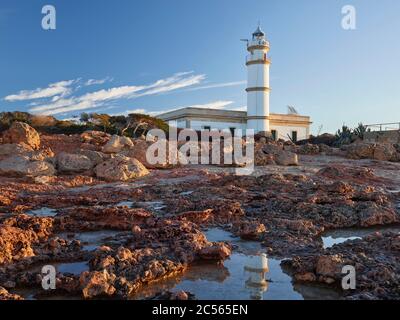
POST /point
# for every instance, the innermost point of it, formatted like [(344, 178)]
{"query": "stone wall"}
[(390, 136)]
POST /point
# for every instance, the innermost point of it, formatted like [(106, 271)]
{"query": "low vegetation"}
[(133, 125), (345, 135)]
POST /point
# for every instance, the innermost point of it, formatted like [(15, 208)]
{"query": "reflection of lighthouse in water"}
[(257, 267)]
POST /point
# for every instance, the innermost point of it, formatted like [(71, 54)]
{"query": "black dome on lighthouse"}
[(258, 32)]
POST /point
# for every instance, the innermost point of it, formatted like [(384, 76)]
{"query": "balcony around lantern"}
[(252, 44), (252, 58)]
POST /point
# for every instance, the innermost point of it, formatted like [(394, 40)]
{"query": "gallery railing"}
[(384, 126)]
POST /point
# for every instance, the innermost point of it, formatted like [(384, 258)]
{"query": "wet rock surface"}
[(5, 295), (158, 220), (376, 261)]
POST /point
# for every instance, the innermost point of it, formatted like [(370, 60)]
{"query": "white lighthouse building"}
[(258, 89), (258, 116)]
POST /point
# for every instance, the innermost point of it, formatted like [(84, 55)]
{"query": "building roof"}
[(194, 112), (228, 115)]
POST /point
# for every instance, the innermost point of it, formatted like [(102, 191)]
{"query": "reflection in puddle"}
[(239, 245), (330, 241), (93, 239), (213, 281), (338, 236), (75, 268), (257, 267), (209, 280), (186, 193), (38, 293), (316, 292), (26, 293), (157, 207), (43, 212)]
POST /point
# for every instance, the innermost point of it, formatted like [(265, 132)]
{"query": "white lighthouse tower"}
[(258, 89)]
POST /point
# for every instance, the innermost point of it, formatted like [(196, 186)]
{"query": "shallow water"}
[(330, 241), (93, 239), (43, 212), (229, 280), (117, 185), (75, 268), (330, 238), (128, 204), (239, 245), (186, 193), (157, 207), (40, 294)]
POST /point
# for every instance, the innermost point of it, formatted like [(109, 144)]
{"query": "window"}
[(294, 136), (274, 134)]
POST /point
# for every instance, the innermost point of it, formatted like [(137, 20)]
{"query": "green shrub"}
[(361, 130), (132, 125)]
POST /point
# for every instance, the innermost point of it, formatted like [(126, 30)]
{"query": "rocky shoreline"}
[(56, 187)]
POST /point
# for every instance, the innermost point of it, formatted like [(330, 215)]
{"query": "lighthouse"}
[(258, 64), (291, 126)]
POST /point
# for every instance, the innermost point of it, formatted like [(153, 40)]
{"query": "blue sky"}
[(126, 55)]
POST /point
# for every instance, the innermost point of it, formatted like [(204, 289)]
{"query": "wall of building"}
[(284, 131), (215, 125)]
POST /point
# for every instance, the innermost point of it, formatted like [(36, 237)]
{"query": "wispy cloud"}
[(92, 82), (125, 113), (243, 108), (219, 104), (60, 89), (61, 98), (99, 98), (219, 85)]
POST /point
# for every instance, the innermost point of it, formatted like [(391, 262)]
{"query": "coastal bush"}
[(345, 135), (133, 125)]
